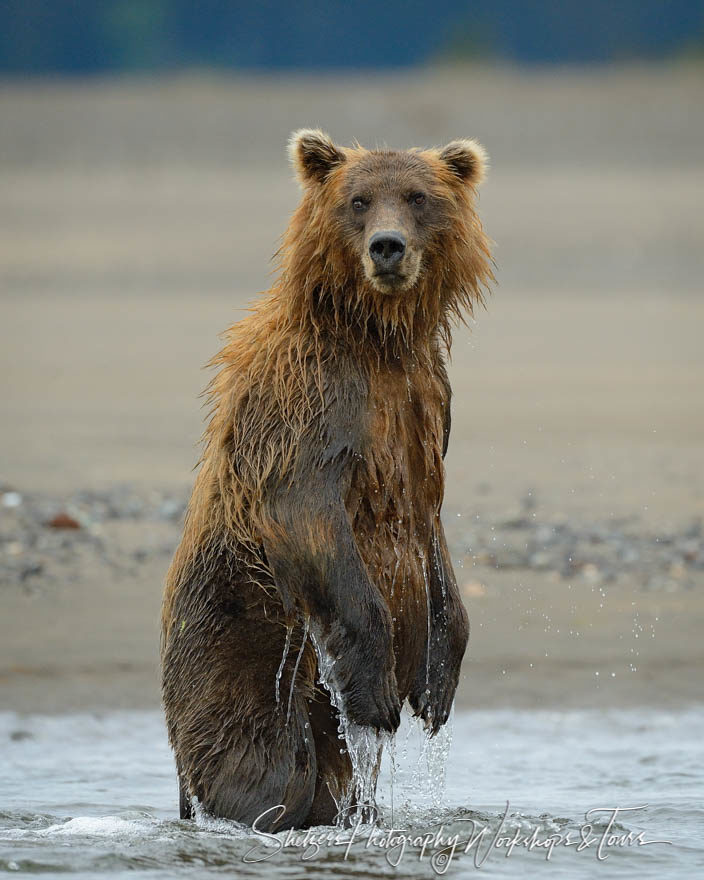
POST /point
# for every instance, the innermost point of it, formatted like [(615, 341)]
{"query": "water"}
[(95, 794), (279, 673)]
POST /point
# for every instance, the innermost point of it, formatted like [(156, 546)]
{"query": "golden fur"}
[(327, 375)]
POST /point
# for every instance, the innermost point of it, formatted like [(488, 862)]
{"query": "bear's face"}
[(391, 208)]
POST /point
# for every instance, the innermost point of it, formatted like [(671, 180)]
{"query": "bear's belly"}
[(394, 502)]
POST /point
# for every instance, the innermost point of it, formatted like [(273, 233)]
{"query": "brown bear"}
[(315, 516)]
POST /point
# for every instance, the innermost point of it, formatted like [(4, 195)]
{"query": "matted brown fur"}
[(317, 503)]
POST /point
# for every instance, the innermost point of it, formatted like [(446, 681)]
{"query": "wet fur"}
[(318, 498)]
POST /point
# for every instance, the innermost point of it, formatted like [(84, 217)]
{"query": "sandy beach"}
[(138, 219)]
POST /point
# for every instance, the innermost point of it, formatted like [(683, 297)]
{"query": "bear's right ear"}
[(313, 155)]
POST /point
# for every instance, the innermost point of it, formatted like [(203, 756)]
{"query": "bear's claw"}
[(432, 703)]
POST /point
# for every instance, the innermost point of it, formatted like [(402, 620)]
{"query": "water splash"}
[(431, 770), (416, 766)]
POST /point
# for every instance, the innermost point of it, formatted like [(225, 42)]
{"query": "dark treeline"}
[(83, 36)]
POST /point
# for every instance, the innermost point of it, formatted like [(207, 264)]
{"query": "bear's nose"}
[(386, 250)]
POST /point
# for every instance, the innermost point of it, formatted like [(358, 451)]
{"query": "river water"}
[(95, 794)]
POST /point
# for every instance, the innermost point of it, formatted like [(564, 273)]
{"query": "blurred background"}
[(98, 36), (143, 189)]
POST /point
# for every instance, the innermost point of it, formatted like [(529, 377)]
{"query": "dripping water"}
[(428, 607), (396, 567), (306, 627), (363, 744), (415, 765), (438, 565), (279, 673), (392, 773), (430, 774)]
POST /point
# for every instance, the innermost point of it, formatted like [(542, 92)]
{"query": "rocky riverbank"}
[(45, 540)]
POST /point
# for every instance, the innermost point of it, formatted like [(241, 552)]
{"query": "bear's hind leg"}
[(264, 767), (243, 744)]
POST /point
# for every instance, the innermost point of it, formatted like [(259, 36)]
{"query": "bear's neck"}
[(357, 319)]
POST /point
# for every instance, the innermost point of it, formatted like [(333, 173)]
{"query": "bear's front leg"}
[(363, 666), (434, 687), (311, 551)]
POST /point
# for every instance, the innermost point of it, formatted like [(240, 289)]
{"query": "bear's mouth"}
[(389, 279), (393, 280)]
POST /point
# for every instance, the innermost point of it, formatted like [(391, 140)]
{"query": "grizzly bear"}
[(314, 529)]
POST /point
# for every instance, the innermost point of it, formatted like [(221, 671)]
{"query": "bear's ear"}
[(313, 154), (467, 159)]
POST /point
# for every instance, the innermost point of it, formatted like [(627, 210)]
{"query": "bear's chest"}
[(398, 483)]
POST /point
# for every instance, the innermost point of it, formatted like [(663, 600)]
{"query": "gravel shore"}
[(45, 540)]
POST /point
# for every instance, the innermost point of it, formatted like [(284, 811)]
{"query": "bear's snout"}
[(386, 250)]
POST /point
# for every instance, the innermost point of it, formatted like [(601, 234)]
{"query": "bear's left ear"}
[(313, 155), (467, 159)]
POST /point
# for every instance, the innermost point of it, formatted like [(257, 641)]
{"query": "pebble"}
[(11, 499), (63, 521)]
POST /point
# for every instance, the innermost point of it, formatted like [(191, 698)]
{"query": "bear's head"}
[(388, 232)]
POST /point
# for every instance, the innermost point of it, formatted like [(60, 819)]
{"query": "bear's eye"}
[(359, 203), (417, 199)]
